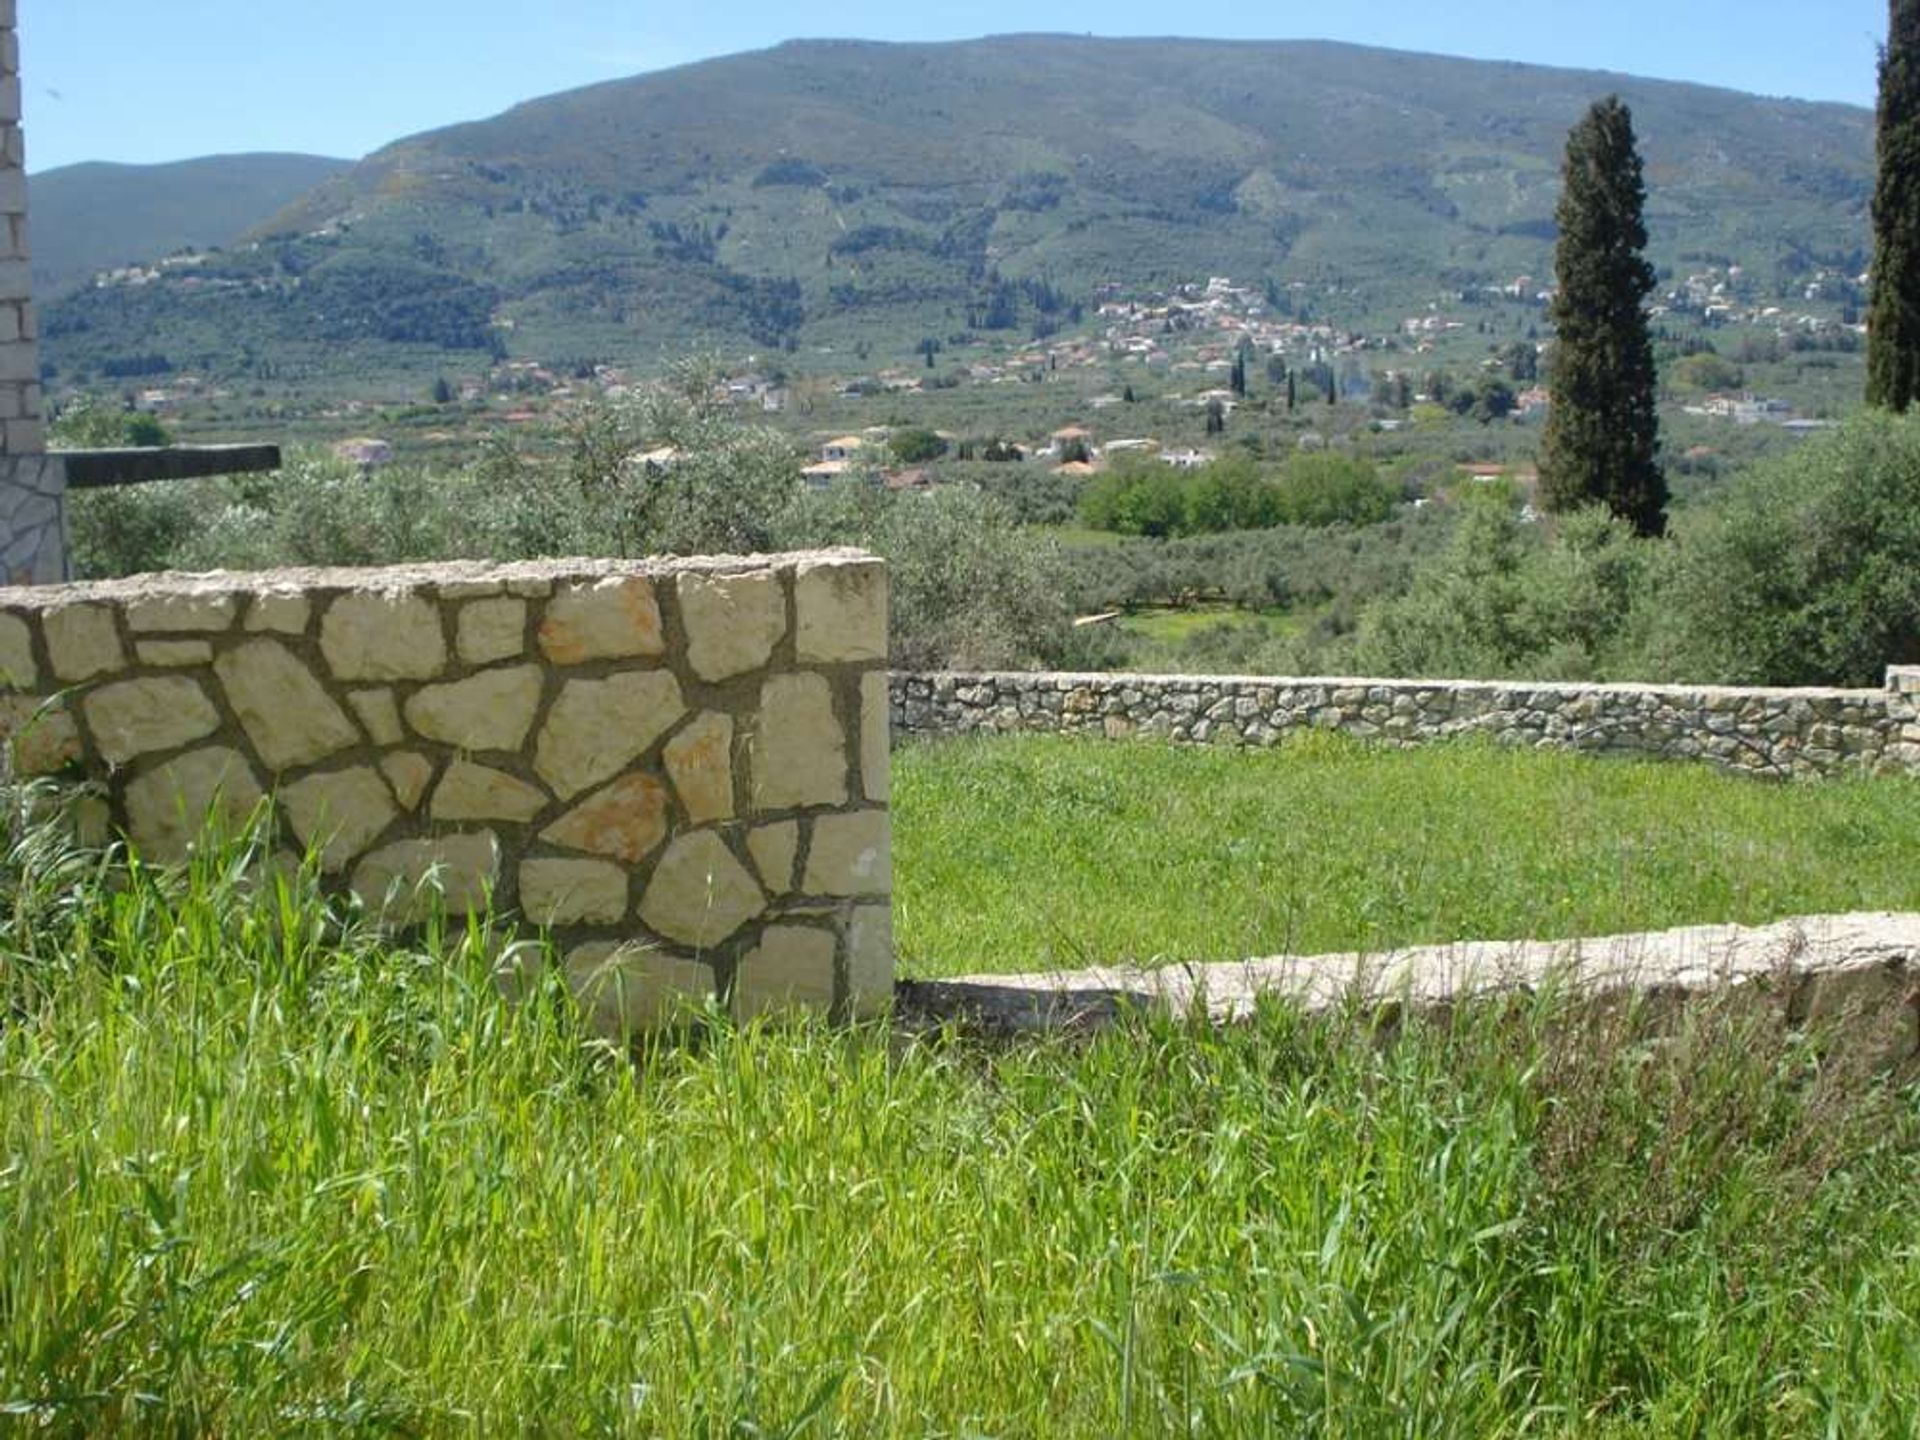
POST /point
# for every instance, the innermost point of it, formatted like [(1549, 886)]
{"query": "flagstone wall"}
[(678, 767)]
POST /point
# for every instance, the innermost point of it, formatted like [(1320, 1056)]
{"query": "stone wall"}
[(33, 546), (1784, 733), (679, 767)]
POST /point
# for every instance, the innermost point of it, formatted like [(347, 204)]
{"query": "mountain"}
[(863, 195), (95, 216)]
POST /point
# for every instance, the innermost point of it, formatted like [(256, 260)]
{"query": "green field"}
[(264, 1173), (1030, 854), (1171, 625)]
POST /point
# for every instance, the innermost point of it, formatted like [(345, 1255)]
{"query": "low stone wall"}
[(1856, 976), (1784, 733), (679, 767)]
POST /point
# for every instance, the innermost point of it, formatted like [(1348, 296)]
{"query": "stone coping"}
[(1868, 960), (453, 579), (1119, 679)]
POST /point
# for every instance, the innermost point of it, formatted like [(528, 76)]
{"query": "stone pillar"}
[(1903, 705), (33, 484)]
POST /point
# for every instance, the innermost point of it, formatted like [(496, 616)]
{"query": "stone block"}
[(383, 635), (733, 621), (870, 963), (18, 669), (490, 711), (173, 654), (613, 619), (876, 759), (631, 989), (790, 969), (196, 614), (850, 855), (130, 718), (339, 814), (408, 773), (41, 735), (286, 712), (774, 849), (168, 807), (598, 727), (379, 715), (699, 761), (479, 792), (626, 821), (798, 753), (573, 892), (283, 612), (491, 630), (82, 641), (840, 611), (699, 894), (404, 880), (17, 362)]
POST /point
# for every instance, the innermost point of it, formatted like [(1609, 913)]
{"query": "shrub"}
[(1149, 499), (971, 588), (1142, 499), (1323, 489), (916, 446), (1504, 601), (1805, 571)]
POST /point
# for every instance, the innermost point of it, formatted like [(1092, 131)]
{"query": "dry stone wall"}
[(1784, 733), (679, 767)]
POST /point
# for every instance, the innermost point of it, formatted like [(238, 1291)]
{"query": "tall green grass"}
[(1033, 852), (262, 1172)]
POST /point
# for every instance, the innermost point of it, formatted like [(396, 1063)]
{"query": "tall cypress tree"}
[(1893, 321), (1602, 438)]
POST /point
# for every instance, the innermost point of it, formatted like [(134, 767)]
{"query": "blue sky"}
[(148, 80)]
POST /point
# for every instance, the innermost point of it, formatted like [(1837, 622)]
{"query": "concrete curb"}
[(1865, 964)]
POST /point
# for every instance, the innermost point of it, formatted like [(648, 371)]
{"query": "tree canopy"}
[(1602, 435), (1893, 321)]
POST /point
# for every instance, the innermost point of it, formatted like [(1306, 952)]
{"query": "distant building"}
[(366, 452), (658, 462)]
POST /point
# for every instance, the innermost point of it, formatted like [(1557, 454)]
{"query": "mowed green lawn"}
[(1033, 853)]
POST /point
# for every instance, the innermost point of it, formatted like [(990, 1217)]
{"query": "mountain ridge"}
[(832, 193), (97, 214)]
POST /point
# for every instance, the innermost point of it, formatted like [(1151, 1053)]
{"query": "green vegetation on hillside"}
[(1805, 570), (97, 216), (1802, 570), (826, 198)]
